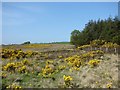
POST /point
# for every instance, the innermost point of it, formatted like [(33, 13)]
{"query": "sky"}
[(44, 22)]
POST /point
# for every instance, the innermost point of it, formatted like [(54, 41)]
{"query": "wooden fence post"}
[(106, 49), (91, 48), (115, 50)]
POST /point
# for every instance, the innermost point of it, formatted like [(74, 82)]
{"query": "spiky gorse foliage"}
[(47, 71), (67, 80), (109, 85), (84, 46), (99, 43), (17, 66), (61, 67), (16, 54), (14, 86), (94, 62), (74, 61), (107, 47), (110, 45)]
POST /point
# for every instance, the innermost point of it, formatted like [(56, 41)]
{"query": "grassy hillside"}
[(57, 66)]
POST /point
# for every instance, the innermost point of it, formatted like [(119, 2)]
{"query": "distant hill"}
[(59, 43)]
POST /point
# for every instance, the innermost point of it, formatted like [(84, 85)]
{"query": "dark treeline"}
[(108, 30)]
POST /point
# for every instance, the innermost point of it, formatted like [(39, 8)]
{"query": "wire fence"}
[(105, 49)]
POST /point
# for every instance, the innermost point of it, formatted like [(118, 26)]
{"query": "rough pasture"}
[(57, 66)]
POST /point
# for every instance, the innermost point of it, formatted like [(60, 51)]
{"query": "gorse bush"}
[(16, 54), (94, 62)]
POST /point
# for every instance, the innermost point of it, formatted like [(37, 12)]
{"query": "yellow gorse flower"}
[(67, 78), (47, 70), (49, 62), (74, 61), (61, 67), (22, 69), (60, 56), (84, 46), (94, 62), (15, 86), (109, 85), (16, 54), (16, 66)]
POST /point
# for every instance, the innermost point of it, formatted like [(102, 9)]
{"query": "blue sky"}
[(40, 22)]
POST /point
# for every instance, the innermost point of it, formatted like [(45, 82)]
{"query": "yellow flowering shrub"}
[(47, 70), (110, 45), (25, 62), (19, 64), (99, 52), (84, 46), (14, 87), (61, 67), (74, 68), (3, 75), (16, 66), (60, 57), (67, 80), (92, 54), (22, 69), (94, 62), (97, 42), (49, 62), (74, 61), (9, 67), (16, 54), (109, 85)]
